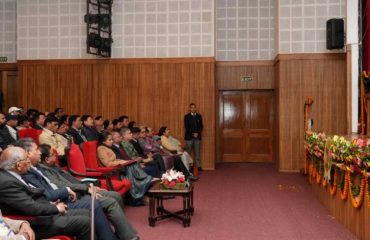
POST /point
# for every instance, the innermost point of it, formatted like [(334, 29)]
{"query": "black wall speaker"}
[(335, 33)]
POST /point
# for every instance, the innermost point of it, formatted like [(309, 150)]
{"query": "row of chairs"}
[(82, 165)]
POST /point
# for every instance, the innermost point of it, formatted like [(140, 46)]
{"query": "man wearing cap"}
[(14, 110), (5, 136), (11, 124)]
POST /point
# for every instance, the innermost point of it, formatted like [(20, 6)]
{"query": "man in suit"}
[(88, 129), (38, 120), (75, 129), (193, 132), (65, 194), (5, 136), (19, 198), (111, 201), (11, 124)]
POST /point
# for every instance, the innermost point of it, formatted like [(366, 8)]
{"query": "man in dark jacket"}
[(193, 132), (19, 198), (65, 194), (111, 201), (5, 136), (88, 129), (75, 130)]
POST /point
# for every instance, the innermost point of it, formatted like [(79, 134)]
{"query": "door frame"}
[(219, 120)]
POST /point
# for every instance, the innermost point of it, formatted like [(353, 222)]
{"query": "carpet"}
[(246, 201)]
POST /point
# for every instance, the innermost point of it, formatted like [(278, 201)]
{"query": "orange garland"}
[(367, 192), (324, 182), (357, 201), (333, 188), (344, 191)]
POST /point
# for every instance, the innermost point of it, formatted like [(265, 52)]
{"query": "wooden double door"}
[(246, 120)]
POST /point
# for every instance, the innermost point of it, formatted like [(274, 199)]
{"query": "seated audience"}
[(173, 145), (139, 179), (117, 125), (31, 112), (88, 129), (5, 136), (38, 120), (15, 110), (98, 124), (124, 121), (53, 193), (11, 124), (131, 124), (111, 201), (75, 130), (108, 126), (23, 122), (20, 198), (59, 112), (133, 154), (157, 159), (56, 141), (15, 229)]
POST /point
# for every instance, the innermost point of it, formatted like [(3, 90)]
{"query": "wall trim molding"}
[(119, 60), (244, 63), (8, 66), (308, 56)]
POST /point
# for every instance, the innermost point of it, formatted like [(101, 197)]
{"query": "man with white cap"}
[(14, 110)]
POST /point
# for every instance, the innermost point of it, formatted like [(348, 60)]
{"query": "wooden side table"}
[(157, 211)]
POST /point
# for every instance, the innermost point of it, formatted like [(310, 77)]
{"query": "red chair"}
[(26, 218), (91, 159), (77, 167), (30, 133)]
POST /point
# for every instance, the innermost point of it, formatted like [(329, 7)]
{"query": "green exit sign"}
[(246, 78), (3, 59)]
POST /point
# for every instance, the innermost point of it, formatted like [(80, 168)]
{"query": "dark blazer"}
[(5, 137), (138, 148), (17, 198), (90, 133), (120, 152), (61, 178), (37, 180), (193, 124), (77, 139), (38, 127)]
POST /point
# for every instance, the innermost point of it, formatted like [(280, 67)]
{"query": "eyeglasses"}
[(24, 160)]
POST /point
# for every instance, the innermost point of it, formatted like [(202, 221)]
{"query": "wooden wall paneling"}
[(321, 76), (355, 220), (228, 75), (153, 92), (276, 131)]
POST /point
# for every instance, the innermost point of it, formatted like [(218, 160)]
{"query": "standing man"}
[(193, 132)]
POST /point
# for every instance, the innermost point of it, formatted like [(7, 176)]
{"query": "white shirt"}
[(52, 185), (17, 176), (12, 132)]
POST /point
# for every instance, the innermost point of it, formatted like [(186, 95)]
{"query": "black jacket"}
[(90, 133), (193, 124), (17, 198), (5, 137), (77, 138)]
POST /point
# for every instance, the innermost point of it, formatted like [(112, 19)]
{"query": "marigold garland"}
[(333, 187), (368, 191), (345, 183), (324, 182), (357, 200)]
